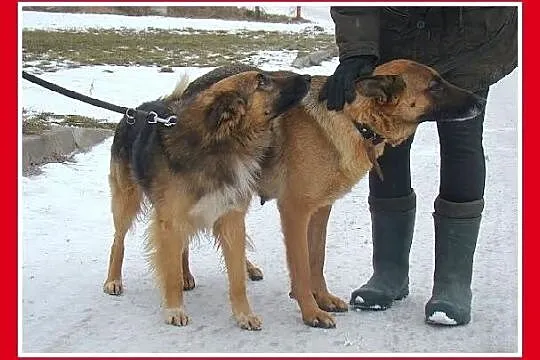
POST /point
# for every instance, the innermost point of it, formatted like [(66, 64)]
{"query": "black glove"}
[(340, 86)]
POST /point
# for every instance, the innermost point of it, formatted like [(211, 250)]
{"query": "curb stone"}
[(57, 145)]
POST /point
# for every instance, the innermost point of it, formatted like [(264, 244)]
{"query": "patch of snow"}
[(33, 20), (360, 300), (441, 318)]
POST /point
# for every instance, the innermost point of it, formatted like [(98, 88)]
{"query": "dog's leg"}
[(254, 273), (317, 249), (294, 220), (231, 233), (125, 204), (189, 280), (168, 238)]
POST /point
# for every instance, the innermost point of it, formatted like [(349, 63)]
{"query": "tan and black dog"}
[(197, 175), (318, 155)]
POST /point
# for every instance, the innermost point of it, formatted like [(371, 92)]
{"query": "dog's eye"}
[(263, 81), (435, 86)]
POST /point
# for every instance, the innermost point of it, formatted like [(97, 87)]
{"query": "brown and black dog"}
[(318, 155), (197, 175)]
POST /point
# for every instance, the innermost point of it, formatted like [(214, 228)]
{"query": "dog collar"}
[(368, 134)]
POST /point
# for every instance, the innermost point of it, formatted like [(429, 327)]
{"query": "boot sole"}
[(444, 313), (379, 304)]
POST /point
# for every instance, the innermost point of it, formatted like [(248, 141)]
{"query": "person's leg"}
[(457, 215), (392, 204)]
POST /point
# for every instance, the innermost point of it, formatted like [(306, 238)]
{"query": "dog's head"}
[(251, 99), (402, 93)]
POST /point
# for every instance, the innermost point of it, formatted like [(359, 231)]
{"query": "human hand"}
[(340, 86)]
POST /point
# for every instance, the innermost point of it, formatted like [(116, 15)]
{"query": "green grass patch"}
[(161, 47)]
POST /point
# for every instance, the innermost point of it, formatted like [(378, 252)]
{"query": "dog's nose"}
[(306, 78)]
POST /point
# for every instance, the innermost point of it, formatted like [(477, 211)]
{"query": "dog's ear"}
[(383, 88), (226, 107)]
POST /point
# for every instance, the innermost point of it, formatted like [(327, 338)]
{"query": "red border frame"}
[(9, 149)]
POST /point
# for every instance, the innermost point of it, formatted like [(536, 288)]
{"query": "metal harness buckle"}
[(130, 116)]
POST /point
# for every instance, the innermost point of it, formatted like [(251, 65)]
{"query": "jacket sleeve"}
[(357, 30)]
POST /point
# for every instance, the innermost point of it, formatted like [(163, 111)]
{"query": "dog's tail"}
[(181, 86)]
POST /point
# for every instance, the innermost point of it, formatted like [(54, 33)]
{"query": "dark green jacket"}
[(471, 46)]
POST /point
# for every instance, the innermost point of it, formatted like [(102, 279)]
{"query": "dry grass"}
[(36, 124), (158, 47)]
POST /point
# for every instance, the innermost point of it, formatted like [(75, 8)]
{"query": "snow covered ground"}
[(319, 16), (66, 232)]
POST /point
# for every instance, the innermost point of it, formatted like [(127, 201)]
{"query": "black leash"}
[(130, 114)]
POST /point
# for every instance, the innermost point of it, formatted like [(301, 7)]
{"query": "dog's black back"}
[(136, 143)]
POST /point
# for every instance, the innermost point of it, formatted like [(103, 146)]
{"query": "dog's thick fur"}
[(319, 155), (197, 175)]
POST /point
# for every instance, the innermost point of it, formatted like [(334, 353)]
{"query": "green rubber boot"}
[(456, 232), (392, 224)]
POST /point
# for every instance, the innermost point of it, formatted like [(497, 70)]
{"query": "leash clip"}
[(170, 121), (130, 116), (153, 118)]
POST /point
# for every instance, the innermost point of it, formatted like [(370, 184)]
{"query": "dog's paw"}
[(113, 287), (331, 303), (189, 282), (176, 316), (255, 274), (249, 322), (320, 319)]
